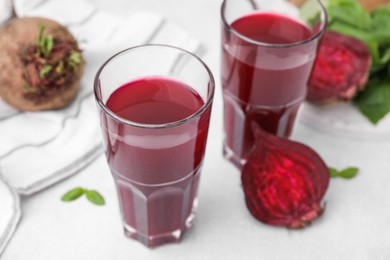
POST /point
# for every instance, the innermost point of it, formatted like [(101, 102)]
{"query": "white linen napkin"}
[(41, 148), (10, 213)]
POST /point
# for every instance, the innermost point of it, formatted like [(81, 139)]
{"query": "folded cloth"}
[(39, 149), (10, 213)]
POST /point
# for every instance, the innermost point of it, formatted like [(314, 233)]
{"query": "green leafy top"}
[(349, 12), (45, 43), (50, 63)]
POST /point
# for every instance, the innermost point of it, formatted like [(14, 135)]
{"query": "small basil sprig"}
[(95, 197), (92, 195), (347, 173)]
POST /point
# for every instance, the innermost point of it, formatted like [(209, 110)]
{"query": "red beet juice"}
[(156, 168), (263, 81)]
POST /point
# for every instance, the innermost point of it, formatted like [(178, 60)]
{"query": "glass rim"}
[(277, 45), (200, 111)]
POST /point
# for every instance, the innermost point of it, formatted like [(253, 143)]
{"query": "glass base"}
[(159, 239), (158, 214), (231, 157)]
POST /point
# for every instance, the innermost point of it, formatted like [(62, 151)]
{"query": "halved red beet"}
[(284, 181), (341, 69)]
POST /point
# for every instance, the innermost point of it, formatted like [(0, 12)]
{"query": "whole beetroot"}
[(40, 64), (341, 69)]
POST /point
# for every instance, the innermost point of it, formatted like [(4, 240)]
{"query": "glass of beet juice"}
[(268, 50), (154, 104)]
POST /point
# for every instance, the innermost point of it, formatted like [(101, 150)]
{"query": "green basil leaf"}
[(95, 197), (374, 101), (349, 173), (73, 194), (333, 172)]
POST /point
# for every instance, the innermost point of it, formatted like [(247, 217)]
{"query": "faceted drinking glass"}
[(268, 50), (156, 166)]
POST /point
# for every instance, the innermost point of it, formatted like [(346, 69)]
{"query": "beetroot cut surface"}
[(340, 70), (284, 182)]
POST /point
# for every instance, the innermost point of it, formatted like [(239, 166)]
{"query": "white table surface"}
[(356, 223)]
